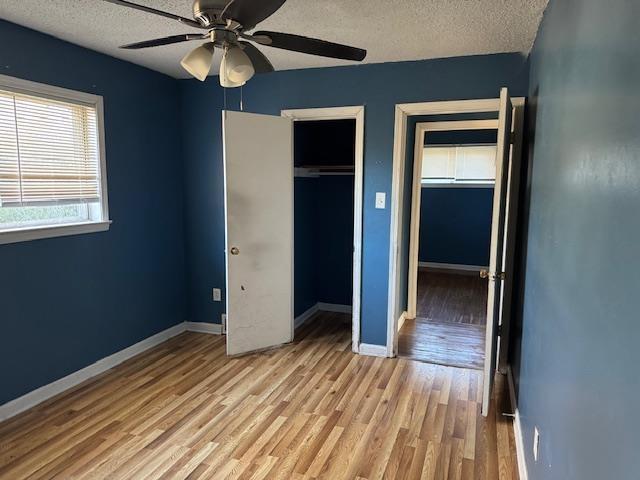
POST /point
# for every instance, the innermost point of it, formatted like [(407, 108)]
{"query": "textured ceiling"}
[(391, 30)]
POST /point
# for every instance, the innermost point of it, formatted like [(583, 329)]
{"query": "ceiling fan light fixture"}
[(236, 66), (199, 60), (225, 81)]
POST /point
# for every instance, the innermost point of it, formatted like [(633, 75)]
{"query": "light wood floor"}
[(311, 409), (444, 343), (450, 325)]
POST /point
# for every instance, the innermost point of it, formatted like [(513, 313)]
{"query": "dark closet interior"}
[(324, 157)]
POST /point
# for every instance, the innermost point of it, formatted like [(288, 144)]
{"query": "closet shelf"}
[(328, 167), (320, 170)]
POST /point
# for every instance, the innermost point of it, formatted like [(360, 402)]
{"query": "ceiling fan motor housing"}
[(207, 12)]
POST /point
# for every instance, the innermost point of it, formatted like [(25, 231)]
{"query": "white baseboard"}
[(517, 428), (452, 266), (45, 392), (320, 307), (334, 307), (39, 395), (203, 327), (373, 350), (401, 320), (303, 317)]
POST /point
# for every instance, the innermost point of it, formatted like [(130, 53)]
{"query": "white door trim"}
[(421, 130), (339, 113), (511, 229), (402, 112)]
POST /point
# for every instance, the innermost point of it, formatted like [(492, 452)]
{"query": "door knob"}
[(235, 251), (484, 273)]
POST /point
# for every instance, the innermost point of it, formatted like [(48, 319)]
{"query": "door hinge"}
[(512, 138), (499, 331), (492, 276)]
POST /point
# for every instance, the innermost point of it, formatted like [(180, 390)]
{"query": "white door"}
[(258, 169), (495, 274)]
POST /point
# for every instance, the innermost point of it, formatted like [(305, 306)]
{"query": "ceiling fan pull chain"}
[(241, 100), (225, 97)]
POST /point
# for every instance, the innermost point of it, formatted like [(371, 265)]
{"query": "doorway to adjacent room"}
[(447, 305)]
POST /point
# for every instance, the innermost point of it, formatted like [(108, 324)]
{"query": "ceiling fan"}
[(226, 23)]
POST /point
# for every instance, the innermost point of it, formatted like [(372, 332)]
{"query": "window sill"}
[(458, 185), (51, 231)]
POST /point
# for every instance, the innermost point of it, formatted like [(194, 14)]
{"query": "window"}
[(459, 165), (52, 179)]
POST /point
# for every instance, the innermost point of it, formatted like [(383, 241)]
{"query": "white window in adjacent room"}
[(459, 165), (52, 165)]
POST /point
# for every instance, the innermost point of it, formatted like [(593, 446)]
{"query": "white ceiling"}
[(391, 30)]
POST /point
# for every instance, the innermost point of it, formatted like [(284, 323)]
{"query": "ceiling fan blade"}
[(312, 46), (165, 41), (261, 64), (249, 13), (186, 21)]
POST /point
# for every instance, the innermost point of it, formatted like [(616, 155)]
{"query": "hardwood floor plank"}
[(449, 328), (309, 410)]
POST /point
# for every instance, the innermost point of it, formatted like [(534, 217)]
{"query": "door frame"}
[(416, 199), (341, 113), (402, 112)]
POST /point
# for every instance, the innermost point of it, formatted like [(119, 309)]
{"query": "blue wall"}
[(323, 241), (335, 233), (578, 362), (455, 225), (67, 302), (379, 87), (305, 244)]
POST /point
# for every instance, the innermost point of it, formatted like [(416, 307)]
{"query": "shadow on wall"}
[(520, 273)]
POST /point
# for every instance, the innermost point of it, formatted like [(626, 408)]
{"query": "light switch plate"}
[(217, 295), (381, 200)]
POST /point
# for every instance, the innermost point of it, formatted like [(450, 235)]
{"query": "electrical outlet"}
[(536, 443), (217, 295)]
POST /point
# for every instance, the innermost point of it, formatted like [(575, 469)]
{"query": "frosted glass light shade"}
[(199, 60), (236, 68)]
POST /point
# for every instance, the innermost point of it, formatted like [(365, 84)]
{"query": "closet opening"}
[(324, 194)]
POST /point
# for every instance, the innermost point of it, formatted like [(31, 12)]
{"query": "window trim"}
[(27, 87)]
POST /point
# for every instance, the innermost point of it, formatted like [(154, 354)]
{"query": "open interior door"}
[(495, 274), (258, 169)]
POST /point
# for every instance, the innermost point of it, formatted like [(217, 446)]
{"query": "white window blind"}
[(476, 163), (48, 151), (439, 163), (464, 164)]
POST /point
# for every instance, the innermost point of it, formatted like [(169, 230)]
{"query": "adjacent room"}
[(457, 177), (285, 239)]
